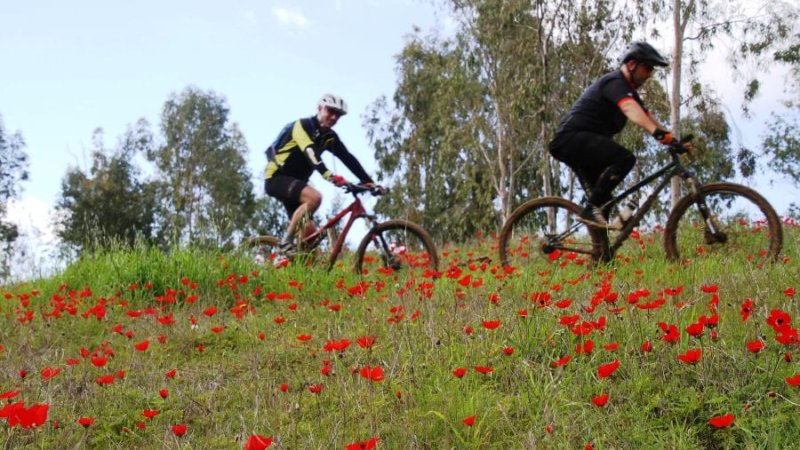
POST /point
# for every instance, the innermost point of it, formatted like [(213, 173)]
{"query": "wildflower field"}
[(189, 349)]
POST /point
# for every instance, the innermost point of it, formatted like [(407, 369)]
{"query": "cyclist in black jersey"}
[(584, 138), (295, 155)]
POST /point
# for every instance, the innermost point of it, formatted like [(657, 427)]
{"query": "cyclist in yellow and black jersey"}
[(295, 155)]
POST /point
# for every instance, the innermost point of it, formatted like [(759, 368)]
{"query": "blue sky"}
[(70, 67)]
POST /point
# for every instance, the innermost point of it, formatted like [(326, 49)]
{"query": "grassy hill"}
[(141, 349)]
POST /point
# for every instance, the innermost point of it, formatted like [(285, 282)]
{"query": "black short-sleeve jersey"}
[(597, 110)]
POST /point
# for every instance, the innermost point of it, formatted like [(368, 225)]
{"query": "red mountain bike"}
[(394, 244)]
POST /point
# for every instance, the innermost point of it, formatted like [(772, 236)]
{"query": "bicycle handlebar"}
[(356, 188), (679, 146)]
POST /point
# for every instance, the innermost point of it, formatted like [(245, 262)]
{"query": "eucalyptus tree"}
[(206, 196), (13, 171), (746, 31), (108, 204), (473, 112)]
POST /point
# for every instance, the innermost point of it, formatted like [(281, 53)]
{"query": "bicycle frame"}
[(674, 168), (354, 210)]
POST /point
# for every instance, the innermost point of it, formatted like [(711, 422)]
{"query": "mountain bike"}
[(712, 219), (393, 244)]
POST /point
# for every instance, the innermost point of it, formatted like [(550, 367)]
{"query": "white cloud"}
[(294, 18)]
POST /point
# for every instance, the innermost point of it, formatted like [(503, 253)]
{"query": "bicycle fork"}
[(711, 232), (388, 257)]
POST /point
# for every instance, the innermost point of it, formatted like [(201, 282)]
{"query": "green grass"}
[(232, 388)]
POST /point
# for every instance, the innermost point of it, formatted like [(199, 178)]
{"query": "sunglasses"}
[(334, 111)]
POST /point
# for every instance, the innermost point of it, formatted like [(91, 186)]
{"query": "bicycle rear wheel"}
[(396, 244), (742, 223), (546, 229), (261, 249)]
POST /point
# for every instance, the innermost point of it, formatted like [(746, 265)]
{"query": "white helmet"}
[(334, 102)]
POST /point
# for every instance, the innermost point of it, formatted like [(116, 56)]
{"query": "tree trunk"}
[(675, 99)]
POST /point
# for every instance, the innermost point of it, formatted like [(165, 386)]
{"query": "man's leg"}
[(310, 200)]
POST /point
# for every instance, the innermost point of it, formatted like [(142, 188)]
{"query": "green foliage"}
[(472, 114), (108, 204), (204, 184), (13, 171)]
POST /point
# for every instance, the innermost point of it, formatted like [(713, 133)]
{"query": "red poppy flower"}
[(710, 289), (372, 373), (105, 379), (491, 324), (49, 372), (304, 337), (257, 442), (315, 388), (793, 380), (606, 370), (217, 329), (695, 329), (647, 346), (73, 361), (8, 394), (460, 372), (335, 345), (600, 400), (469, 421), (86, 421), (561, 362), (171, 373), (756, 346), (142, 346), (691, 356), (508, 350), (671, 333), (99, 361), (484, 369), (746, 309), (210, 311), (564, 303), (611, 346), (17, 414), (366, 445), (366, 341), (585, 348), (163, 393), (150, 413), (778, 319), (179, 430), (722, 421)]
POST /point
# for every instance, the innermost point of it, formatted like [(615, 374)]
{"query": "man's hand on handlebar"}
[(338, 180), (376, 189)]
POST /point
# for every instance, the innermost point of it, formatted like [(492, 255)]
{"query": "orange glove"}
[(662, 136)]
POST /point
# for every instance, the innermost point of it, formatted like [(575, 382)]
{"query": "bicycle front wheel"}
[(545, 230), (741, 223), (396, 244), (261, 249)]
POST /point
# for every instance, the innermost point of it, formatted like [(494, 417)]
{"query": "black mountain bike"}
[(712, 219)]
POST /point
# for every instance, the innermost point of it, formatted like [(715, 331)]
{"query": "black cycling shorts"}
[(286, 189)]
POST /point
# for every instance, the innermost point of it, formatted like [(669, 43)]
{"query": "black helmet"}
[(643, 52)]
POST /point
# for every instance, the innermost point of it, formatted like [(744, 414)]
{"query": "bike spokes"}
[(726, 220)]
